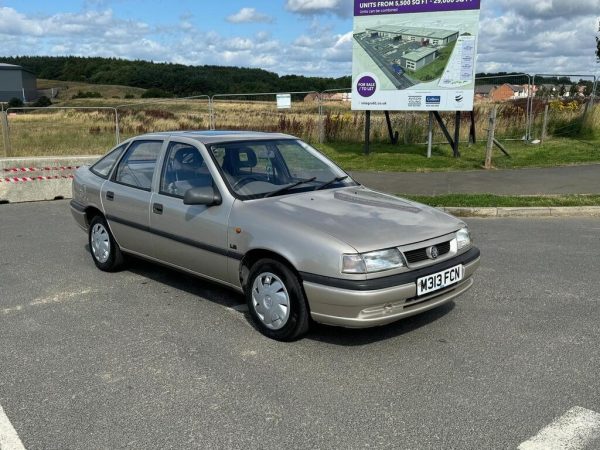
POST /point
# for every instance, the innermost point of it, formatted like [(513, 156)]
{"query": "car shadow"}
[(182, 281), (229, 298), (350, 337)]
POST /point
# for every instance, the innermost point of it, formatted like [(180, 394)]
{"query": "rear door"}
[(193, 237), (126, 196)]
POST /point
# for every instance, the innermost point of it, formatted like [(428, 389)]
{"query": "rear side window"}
[(103, 167), (136, 169)]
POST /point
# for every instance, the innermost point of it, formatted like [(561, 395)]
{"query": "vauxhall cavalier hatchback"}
[(274, 219)]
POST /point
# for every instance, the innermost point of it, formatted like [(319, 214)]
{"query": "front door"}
[(193, 237), (126, 196)]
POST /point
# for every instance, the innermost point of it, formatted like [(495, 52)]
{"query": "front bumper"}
[(356, 306)]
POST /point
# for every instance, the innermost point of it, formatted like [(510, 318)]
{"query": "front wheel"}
[(105, 252), (276, 301)]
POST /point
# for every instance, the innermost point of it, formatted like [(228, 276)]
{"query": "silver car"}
[(271, 217)]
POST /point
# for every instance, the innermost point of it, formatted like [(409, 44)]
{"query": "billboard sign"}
[(414, 55)]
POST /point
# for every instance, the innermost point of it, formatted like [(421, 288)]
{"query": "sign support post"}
[(456, 135), (393, 136), (367, 132), (430, 135)]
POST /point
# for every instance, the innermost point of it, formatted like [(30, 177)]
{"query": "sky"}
[(302, 37)]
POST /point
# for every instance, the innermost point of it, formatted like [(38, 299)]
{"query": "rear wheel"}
[(276, 301), (105, 252)]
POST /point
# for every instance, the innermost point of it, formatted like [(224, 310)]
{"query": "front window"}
[(136, 169), (256, 169), (184, 169)]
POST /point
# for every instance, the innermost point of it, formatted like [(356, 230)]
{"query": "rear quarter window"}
[(103, 167)]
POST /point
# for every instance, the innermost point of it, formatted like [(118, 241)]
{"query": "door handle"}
[(110, 195), (157, 208)]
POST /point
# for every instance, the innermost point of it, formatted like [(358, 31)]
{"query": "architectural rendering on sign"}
[(401, 51)]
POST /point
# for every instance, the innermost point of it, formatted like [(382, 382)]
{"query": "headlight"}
[(372, 261), (463, 238)]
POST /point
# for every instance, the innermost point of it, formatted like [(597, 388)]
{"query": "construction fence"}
[(528, 108)]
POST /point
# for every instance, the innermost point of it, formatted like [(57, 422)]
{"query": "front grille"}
[(420, 254)]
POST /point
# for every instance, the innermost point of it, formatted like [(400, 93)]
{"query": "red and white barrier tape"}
[(26, 179), (39, 169)]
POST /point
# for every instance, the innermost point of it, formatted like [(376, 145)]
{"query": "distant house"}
[(500, 93), (17, 82), (508, 92), (483, 91)]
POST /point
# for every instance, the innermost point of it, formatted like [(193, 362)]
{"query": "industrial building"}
[(426, 36), (17, 82), (416, 59)]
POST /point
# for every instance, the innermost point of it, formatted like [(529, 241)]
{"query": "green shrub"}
[(156, 93), (42, 102), (15, 102), (88, 94)]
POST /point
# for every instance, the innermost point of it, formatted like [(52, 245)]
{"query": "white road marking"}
[(9, 439), (59, 298), (56, 298), (574, 430)]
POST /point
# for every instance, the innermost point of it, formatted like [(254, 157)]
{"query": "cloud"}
[(68, 24), (249, 15), (341, 8), (549, 36), (545, 9), (555, 36), (102, 33)]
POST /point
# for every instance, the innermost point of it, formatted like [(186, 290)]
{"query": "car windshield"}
[(257, 169)]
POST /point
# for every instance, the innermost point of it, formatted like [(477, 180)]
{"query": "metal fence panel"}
[(260, 112), (568, 98), (146, 116)]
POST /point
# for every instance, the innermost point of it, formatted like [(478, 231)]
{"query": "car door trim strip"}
[(176, 238), (393, 280)]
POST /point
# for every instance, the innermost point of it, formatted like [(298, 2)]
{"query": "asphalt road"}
[(150, 358)]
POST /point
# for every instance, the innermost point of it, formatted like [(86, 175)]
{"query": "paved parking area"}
[(150, 358)]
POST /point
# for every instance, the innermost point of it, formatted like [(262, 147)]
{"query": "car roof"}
[(217, 136)]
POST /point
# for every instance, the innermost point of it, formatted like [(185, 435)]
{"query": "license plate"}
[(440, 280)]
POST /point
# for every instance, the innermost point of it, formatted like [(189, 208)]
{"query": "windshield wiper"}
[(289, 186), (330, 182)]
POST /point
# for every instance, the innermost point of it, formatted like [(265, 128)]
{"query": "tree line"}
[(173, 79)]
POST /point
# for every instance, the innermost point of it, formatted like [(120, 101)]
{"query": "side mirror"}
[(205, 195)]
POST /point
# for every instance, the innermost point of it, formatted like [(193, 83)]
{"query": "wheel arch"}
[(91, 212), (254, 255)]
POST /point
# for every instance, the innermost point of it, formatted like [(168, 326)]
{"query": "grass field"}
[(67, 89), (413, 158), (500, 201)]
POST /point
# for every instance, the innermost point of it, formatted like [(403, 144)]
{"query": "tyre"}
[(276, 301), (105, 252)]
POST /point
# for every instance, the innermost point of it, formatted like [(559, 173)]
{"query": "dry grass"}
[(64, 132)]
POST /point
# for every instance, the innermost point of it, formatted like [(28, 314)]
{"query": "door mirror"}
[(204, 195)]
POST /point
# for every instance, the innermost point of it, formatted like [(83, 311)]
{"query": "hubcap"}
[(100, 243), (270, 300)]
